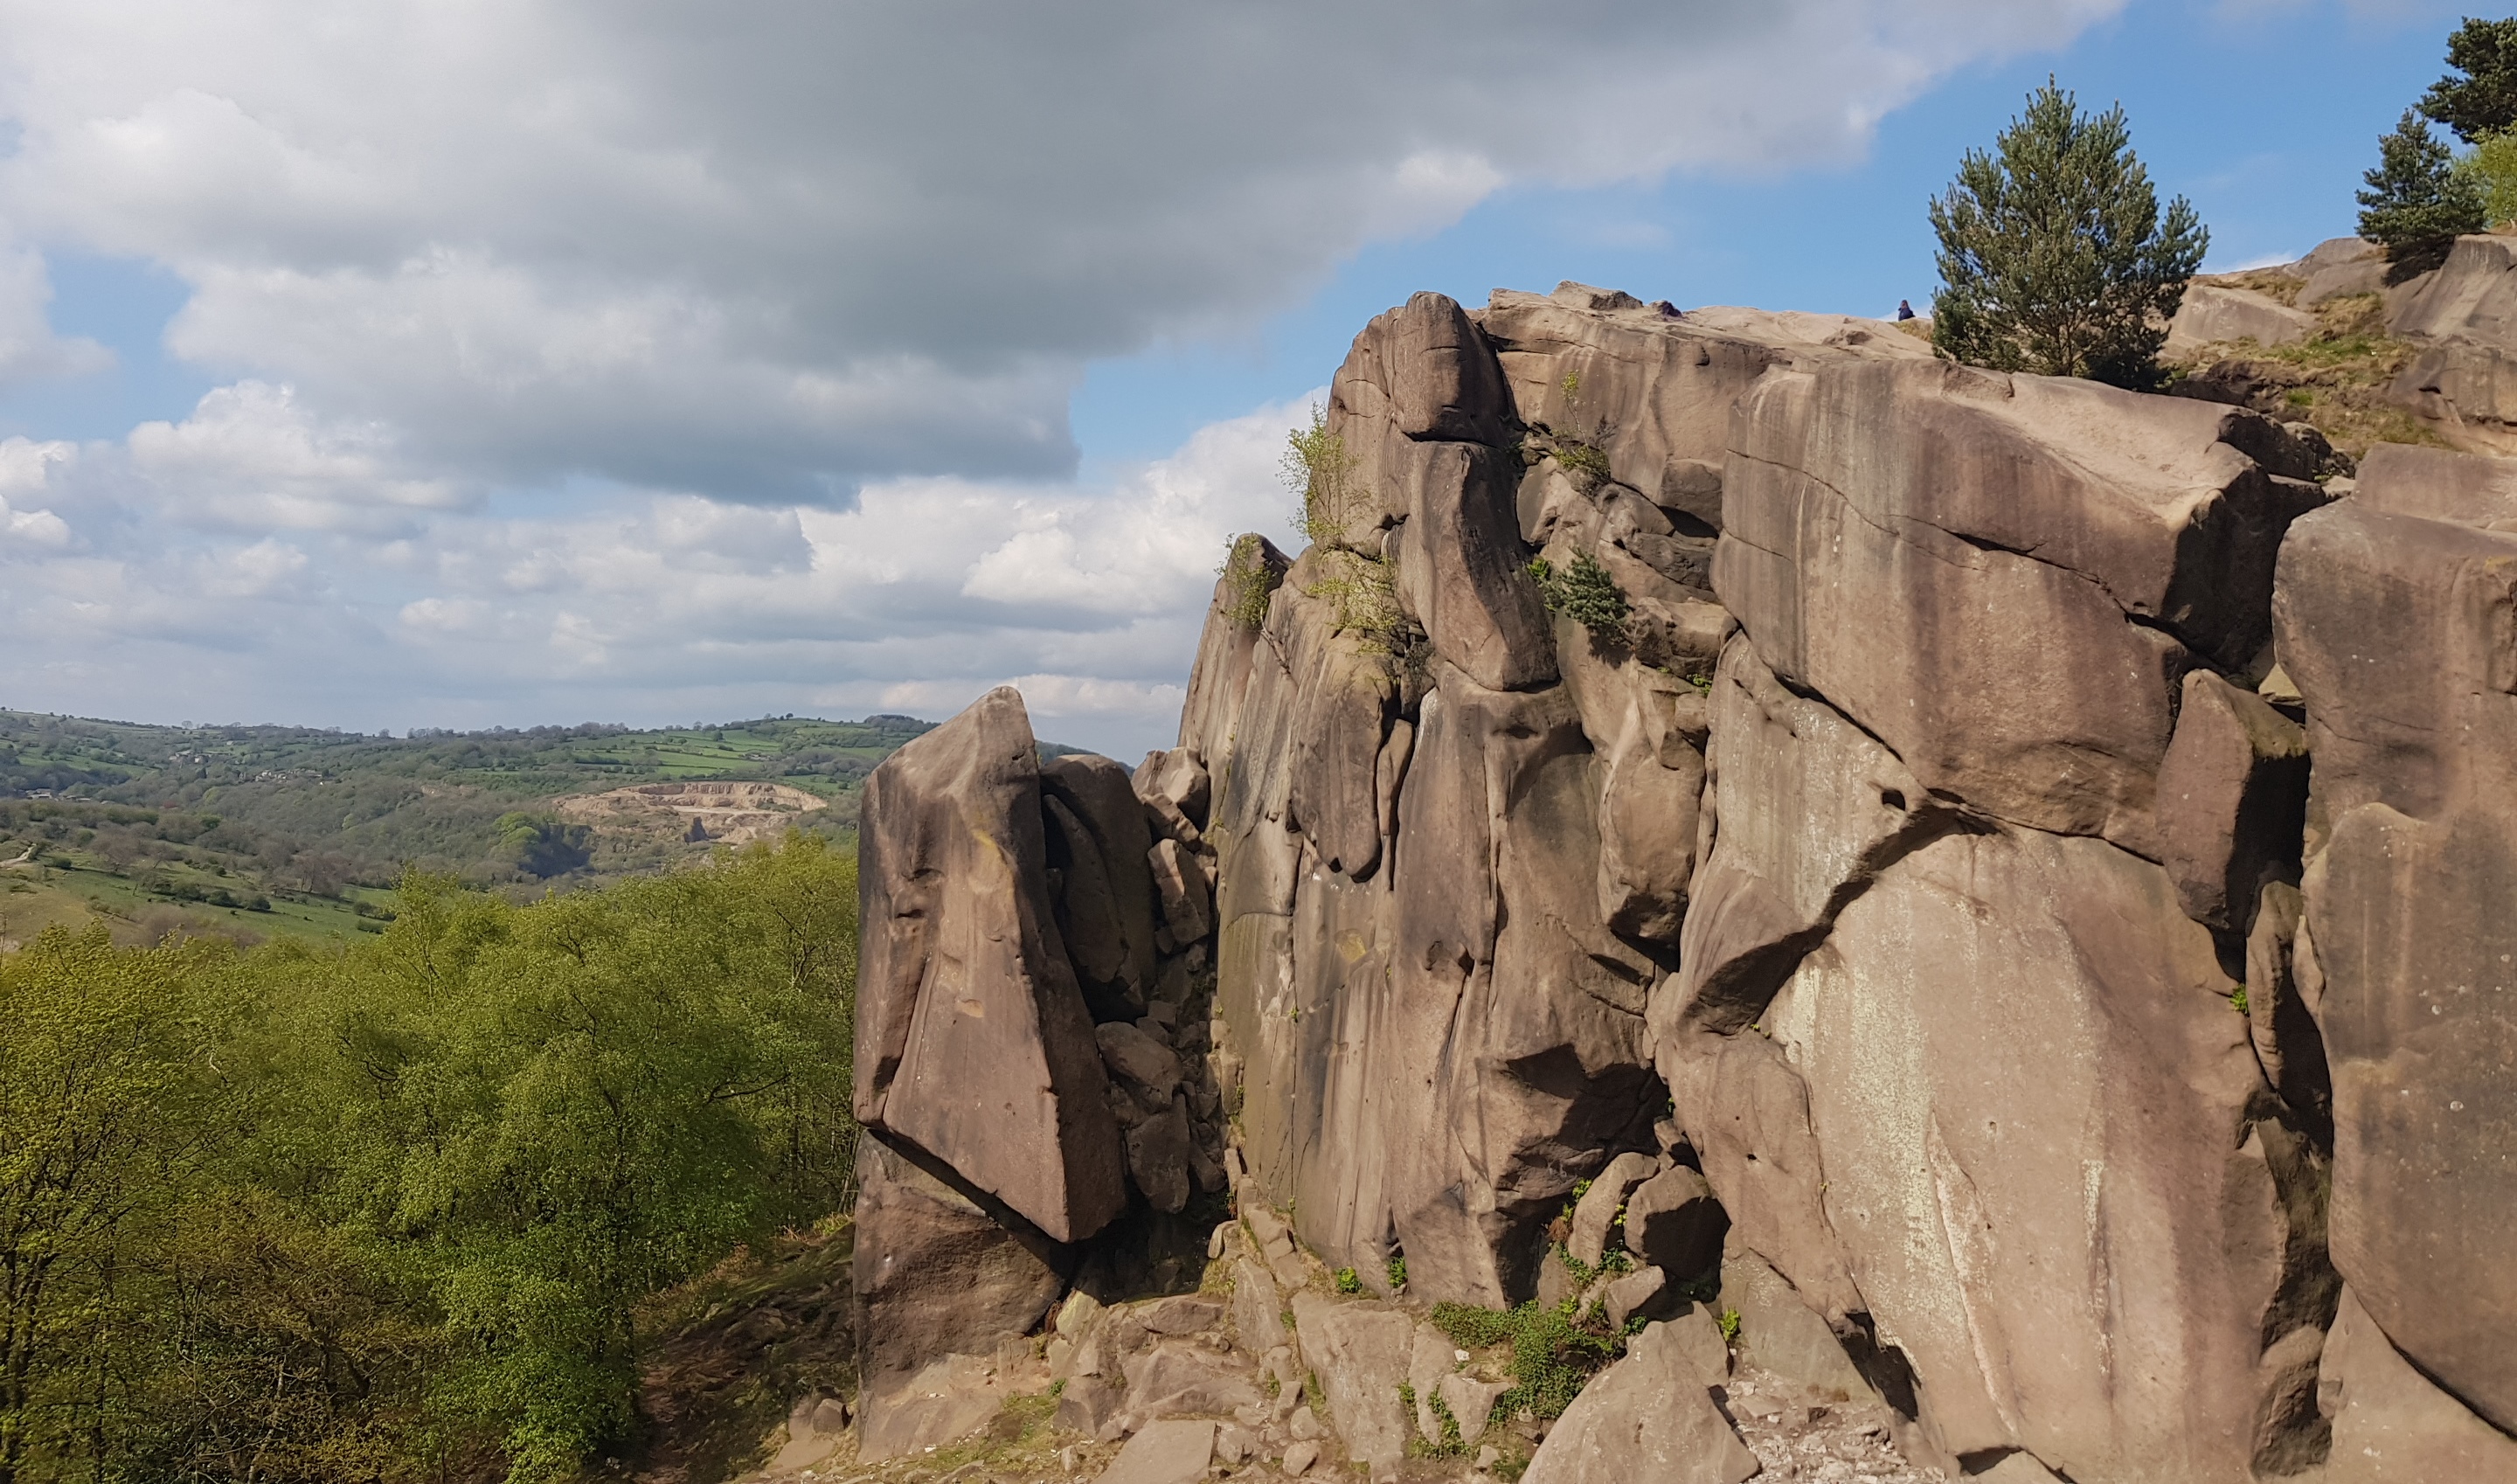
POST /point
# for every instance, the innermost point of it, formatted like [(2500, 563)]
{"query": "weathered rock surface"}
[(950, 1397), (2438, 484), (1100, 880), (2339, 267), (1809, 807), (1178, 1379), (2063, 1217), (2402, 636), (1225, 654), (1674, 1223), (973, 1042), (2216, 314), (1780, 1333), (1649, 1417), (2281, 1015), (1426, 369), (1360, 1351), (935, 1279), (2390, 1424), (1165, 1453), (2467, 313), (1913, 540), (2233, 801), (1597, 1210)]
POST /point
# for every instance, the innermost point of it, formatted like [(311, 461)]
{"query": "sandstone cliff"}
[(1734, 816)]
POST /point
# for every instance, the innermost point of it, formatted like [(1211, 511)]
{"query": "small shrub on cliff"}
[(1555, 1352), (2417, 202), (2055, 253), (1585, 593), (1347, 1282), (1365, 591), (1250, 581), (1318, 467), (1589, 465)]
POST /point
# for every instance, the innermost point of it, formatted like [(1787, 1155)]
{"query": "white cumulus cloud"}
[(618, 357)]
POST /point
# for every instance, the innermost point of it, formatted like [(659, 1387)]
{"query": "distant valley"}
[(262, 831)]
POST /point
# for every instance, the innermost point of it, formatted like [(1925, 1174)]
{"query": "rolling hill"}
[(253, 830)]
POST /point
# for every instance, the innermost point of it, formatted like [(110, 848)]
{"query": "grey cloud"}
[(768, 251)]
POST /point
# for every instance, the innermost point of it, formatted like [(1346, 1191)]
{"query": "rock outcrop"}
[(2400, 632), (1994, 886)]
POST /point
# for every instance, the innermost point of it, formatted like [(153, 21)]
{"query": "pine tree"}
[(2056, 256), (2484, 101), (2418, 203)]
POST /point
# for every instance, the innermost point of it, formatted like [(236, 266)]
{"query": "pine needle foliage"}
[(2055, 254), (2418, 203), (1583, 592), (2484, 101)]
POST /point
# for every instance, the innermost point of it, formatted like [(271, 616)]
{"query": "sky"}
[(473, 362)]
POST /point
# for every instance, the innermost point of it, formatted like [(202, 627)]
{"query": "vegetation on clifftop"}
[(2054, 254), (2416, 202)]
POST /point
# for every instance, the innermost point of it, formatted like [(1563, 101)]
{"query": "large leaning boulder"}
[(973, 1042)]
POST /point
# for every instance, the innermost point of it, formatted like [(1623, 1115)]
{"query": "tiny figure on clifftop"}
[(1904, 310)]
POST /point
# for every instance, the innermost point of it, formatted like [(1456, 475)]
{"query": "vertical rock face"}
[(1950, 1042), (2015, 1043), (2402, 632), (1457, 834), (1872, 848)]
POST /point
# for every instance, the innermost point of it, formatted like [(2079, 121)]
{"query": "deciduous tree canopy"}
[(387, 1211)]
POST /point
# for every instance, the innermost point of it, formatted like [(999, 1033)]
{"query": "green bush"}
[(1555, 1353), (1349, 1281), (1319, 469), (1250, 580), (1584, 460), (2054, 254), (1365, 593), (1585, 593)]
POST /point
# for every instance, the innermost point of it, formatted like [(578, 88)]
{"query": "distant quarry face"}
[(727, 813)]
